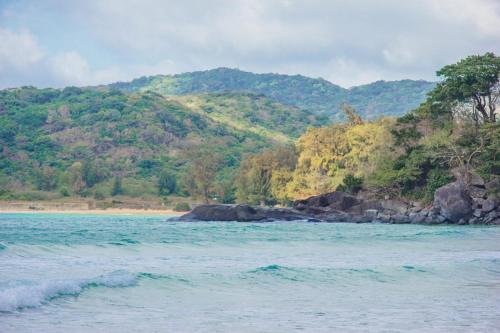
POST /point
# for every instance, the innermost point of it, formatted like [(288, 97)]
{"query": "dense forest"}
[(231, 136)]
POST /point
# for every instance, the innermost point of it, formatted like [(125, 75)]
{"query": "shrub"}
[(99, 195), (182, 207), (351, 184), (435, 179), (64, 192)]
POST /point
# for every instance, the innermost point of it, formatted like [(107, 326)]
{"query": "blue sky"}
[(58, 43)]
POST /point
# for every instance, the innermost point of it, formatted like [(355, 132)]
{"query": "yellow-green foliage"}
[(263, 177), (328, 154)]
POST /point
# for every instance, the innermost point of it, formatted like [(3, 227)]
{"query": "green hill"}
[(77, 141), (315, 95)]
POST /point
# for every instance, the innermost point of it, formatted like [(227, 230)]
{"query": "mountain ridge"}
[(317, 95)]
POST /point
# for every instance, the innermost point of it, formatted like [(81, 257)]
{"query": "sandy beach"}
[(109, 211)]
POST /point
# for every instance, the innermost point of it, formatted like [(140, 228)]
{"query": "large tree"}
[(470, 86)]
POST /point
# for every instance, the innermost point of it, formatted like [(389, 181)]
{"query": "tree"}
[(167, 183), (89, 173), (117, 186), (203, 165), (45, 178), (254, 183), (352, 115), (471, 84)]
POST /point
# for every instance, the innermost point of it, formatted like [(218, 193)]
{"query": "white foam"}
[(23, 294)]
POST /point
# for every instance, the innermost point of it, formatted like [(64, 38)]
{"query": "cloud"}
[(18, 50), (346, 42)]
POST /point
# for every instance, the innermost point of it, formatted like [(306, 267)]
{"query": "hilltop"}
[(315, 95)]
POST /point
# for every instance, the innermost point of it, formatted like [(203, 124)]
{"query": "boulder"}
[(400, 219), (490, 217), (417, 218), (241, 213), (493, 185), (477, 192), (473, 220), (477, 203), (467, 177), (394, 206), (452, 202), (337, 200), (488, 205), (371, 213), (365, 205), (477, 212)]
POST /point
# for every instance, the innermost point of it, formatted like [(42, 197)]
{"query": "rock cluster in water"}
[(465, 201)]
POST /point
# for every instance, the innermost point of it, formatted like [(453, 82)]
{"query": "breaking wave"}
[(15, 295)]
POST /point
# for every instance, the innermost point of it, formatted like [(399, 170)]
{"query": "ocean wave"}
[(2, 246), (319, 275), (275, 270), (16, 295)]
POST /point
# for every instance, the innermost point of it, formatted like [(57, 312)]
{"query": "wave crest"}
[(17, 295)]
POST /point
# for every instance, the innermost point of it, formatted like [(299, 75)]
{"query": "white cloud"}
[(347, 42), (18, 50)]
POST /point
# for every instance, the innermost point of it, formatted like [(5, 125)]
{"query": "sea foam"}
[(15, 295)]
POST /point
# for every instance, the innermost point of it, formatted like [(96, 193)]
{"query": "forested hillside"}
[(90, 142), (223, 135), (454, 134), (315, 95)]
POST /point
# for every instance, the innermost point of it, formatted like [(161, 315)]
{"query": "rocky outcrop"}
[(242, 213), (475, 203), (336, 201), (452, 202)]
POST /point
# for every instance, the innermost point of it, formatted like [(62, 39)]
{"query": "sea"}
[(105, 273)]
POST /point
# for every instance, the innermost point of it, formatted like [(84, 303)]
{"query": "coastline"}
[(108, 211)]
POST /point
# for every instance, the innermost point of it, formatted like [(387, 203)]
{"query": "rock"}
[(395, 206), (441, 219), (495, 222), (473, 220), (241, 213), (490, 217), (415, 210), (467, 177), (400, 219), (488, 205), (371, 213), (493, 185), (417, 218), (477, 212), (477, 192), (452, 202), (477, 203), (384, 217), (365, 205), (462, 221), (334, 200)]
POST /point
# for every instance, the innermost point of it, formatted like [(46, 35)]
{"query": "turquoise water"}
[(74, 273)]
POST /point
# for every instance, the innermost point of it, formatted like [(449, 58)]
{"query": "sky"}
[(56, 43)]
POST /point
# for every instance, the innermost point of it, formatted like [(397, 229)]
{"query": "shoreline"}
[(108, 211)]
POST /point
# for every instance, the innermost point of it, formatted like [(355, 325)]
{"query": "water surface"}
[(74, 273)]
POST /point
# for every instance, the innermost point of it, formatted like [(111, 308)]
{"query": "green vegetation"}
[(154, 138), (455, 131), (182, 207), (101, 142), (319, 96)]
